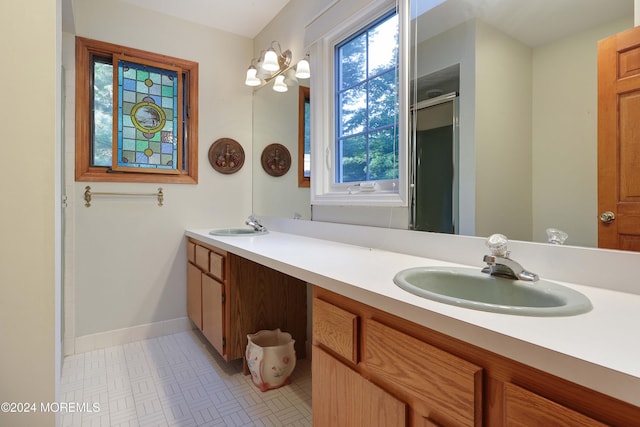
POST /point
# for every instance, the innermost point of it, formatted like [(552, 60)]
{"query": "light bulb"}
[(270, 62), (279, 85), (302, 69), (251, 79)]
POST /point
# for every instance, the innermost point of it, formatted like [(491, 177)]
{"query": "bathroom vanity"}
[(370, 368), (382, 356), (229, 296)]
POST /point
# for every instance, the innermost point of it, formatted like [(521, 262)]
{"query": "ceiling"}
[(243, 17), (532, 22)]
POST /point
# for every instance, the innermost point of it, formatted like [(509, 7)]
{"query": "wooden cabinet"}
[(207, 271), (194, 295), (259, 298), (445, 387), (522, 406), (437, 379), (213, 312), (229, 297), (342, 397), (400, 371)]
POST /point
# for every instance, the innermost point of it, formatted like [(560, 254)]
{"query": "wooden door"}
[(619, 141)]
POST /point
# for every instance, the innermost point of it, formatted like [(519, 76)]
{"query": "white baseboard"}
[(126, 335)]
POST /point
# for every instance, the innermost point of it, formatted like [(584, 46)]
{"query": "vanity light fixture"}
[(271, 62), (279, 85), (252, 78), (302, 69), (274, 64)]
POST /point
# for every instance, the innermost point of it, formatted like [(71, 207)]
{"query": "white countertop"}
[(599, 349)]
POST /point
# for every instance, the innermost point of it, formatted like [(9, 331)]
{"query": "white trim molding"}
[(135, 333), (324, 33)]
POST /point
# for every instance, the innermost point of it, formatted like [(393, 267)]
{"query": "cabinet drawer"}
[(336, 329), (191, 252), (521, 406), (216, 265), (209, 261), (202, 257), (448, 387)]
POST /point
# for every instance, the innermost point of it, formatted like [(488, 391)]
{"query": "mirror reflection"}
[(524, 151), (276, 120), (527, 84)]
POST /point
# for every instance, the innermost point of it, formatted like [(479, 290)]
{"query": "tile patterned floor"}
[(176, 380)]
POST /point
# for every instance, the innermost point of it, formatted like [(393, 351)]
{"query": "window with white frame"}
[(366, 103), (357, 136)]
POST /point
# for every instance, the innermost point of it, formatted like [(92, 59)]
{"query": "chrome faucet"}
[(499, 263), (255, 224)]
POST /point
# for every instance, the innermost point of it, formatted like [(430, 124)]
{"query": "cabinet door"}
[(194, 295), (212, 312), (341, 397), (522, 406), (448, 388)]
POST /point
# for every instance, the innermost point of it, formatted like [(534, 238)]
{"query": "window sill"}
[(378, 198), (101, 175)]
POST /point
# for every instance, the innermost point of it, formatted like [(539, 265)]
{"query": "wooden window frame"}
[(84, 171)]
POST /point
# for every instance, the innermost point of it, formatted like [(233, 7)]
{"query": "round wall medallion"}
[(226, 155), (276, 159)]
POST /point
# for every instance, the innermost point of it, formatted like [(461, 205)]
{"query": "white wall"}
[(503, 77), (288, 27), (565, 138), (128, 254), (28, 113)]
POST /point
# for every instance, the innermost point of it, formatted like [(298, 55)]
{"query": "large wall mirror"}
[(525, 76), (276, 120)]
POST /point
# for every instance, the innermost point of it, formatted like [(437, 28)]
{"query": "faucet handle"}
[(556, 237), (497, 244)]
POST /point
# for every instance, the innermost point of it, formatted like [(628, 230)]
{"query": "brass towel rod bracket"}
[(88, 194)]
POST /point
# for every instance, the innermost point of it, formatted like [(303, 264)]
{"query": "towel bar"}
[(88, 194)]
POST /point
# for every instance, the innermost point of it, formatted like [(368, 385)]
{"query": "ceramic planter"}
[(271, 358)]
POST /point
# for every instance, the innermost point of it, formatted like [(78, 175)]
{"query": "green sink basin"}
[(236, 232), (470, 288)]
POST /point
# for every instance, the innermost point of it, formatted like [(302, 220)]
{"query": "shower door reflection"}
[(434, 198)]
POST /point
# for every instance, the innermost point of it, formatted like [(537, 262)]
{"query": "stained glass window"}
[(97, 100), (147, 117)]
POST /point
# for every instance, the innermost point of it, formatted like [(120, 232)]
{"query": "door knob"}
[(607, 217)]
